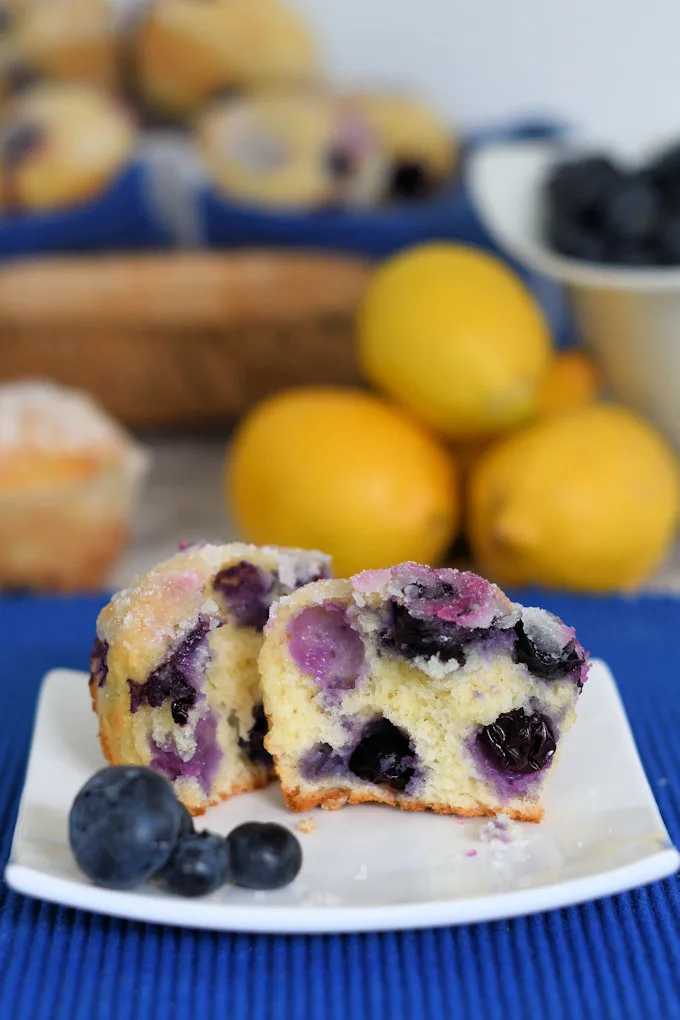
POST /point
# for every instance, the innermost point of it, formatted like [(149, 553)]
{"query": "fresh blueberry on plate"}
[(264, 855), (199, 865), (124, 825)]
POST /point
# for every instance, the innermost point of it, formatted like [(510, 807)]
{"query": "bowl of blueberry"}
[(607, 228)]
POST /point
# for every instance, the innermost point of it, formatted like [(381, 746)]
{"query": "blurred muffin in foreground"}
[(188, 52), (421, 149), (291, 150), (69, 39), (69, 476), (61, 144)]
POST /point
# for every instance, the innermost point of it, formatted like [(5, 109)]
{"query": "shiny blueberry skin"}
[(124, 825), (264, 855), (543, 663), (384, 756), (200, 864), (517, 743)]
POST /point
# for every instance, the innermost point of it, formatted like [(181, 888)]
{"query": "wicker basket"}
[(181, 339)]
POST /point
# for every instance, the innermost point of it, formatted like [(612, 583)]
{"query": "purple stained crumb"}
[(178, 678), (470, 853), (498, 830), (203, 764), (322, 762), (247, 593), (324, 645), (99, 669)]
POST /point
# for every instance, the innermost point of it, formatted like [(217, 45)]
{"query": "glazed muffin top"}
[(52, 436)]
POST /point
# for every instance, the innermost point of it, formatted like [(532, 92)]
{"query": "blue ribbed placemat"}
[(619, 957)]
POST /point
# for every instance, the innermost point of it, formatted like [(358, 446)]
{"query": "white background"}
[(609, 66)]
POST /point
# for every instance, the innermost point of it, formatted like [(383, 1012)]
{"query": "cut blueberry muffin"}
[(419, 688), (174, 678)]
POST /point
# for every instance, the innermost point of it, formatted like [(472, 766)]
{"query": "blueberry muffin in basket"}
[(188, 52), (291, 149), (418, 688), (174, 677), (60, 145), (66, 39), (421, 150)]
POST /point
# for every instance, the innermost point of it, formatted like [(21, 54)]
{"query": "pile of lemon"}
[(482, 427)]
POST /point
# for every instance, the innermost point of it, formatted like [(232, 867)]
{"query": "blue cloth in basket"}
[(616, 958), (121, 218)]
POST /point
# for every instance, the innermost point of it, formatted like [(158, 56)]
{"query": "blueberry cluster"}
[(599, 211), (414, 638), (126, 826)]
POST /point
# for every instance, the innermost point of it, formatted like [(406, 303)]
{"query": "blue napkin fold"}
[(123, 217)]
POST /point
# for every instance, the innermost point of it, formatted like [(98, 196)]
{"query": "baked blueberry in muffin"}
[(420, 688), (174, 677)]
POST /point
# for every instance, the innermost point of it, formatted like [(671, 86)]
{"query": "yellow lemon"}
[(572, 380), (452, 334), (342, 471), (585, 500)]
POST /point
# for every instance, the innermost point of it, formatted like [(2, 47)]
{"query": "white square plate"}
[(370, 868)]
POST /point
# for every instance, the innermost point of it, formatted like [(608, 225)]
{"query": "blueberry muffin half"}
[(174, 677), (419, 688)]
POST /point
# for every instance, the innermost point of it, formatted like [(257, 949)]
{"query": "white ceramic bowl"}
[(628, 317)]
